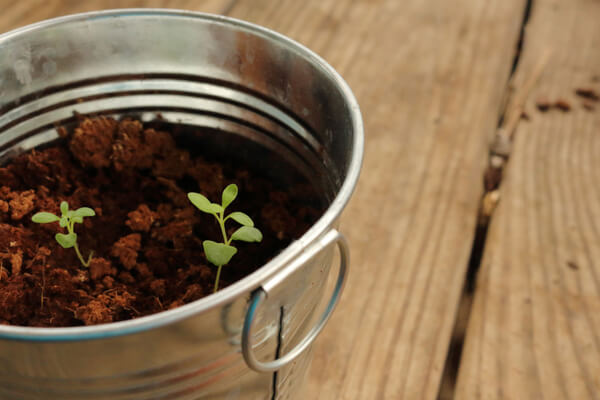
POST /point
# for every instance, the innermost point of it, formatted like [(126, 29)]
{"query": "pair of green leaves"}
[(66, 220), (67, 215), (217, 253)]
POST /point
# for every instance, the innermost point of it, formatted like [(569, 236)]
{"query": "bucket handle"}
[(262, 293)]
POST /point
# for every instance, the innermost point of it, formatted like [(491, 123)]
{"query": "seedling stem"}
[(220, 254)]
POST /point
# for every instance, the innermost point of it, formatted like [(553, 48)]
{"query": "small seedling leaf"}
[(84, 212), (201, 202), (78, 220), (247, 234), (64, 207), (229, 195), (216, 208), (64, 221), (218, 254), (44, 218), (241, 218), (66, 240)]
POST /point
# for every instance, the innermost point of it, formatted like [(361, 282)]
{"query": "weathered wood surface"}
[(534, 331), (14, 14), (430, 78)]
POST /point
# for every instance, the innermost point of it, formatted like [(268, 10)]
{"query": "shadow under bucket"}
[(208, 72)]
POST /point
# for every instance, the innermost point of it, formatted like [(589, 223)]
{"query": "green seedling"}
[(217, 253), (68, 219)]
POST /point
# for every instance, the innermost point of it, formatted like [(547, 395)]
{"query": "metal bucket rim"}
[(255, 279)]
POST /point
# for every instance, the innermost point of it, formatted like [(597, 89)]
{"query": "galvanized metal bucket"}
[(207, 71)]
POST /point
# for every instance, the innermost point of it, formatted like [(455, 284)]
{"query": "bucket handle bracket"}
[(259, 295)]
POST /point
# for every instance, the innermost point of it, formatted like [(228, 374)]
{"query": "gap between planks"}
[(499, 152)]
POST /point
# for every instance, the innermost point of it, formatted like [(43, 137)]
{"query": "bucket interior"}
[(181, 69)]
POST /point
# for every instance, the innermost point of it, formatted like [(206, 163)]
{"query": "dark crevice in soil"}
[(278, 351), (451, 366)]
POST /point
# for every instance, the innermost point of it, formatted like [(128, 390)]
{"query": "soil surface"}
[(146, 235)]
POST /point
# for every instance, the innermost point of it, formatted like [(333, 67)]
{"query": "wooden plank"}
[(534, 331), (19, 13), (429, 77)]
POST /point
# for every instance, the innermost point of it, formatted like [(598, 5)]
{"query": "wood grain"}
[(19, 13), (429, 77), (534, 331)]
